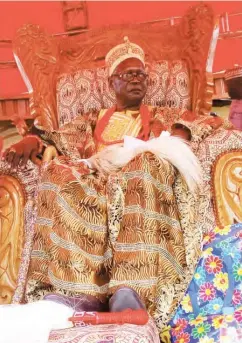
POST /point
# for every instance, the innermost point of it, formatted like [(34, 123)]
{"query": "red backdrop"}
[(101, 13)]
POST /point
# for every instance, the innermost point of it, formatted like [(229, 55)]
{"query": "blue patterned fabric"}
[(211, 310)]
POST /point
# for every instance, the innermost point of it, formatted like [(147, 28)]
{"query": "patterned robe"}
[(95, 234)]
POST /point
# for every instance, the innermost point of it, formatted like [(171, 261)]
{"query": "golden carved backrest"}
[(227, 188), (42, 58), (18, 196), (12, 202)]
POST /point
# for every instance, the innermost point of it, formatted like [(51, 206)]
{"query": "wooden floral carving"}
[(11, 235), (227, 188), (199, 31), (36, 54)]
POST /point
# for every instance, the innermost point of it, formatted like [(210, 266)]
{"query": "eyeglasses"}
[(129, 76)]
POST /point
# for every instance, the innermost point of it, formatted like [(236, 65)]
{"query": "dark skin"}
[(129, 95), (19, 154), (181, 133)]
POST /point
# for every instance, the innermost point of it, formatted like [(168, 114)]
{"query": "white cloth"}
[(135, 143), (87, 162), (171, 148), (33, 322)]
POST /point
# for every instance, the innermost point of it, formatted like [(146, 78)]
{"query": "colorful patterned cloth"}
[(211, 310)]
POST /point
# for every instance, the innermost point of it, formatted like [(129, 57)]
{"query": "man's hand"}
[(19, 154), (108, 160)]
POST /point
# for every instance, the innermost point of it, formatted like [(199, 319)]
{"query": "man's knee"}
[(125, 298), (147, 161)]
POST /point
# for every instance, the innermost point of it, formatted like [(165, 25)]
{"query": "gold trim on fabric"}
[(121, 124)]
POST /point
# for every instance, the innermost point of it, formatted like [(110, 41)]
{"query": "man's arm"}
[(73, 139), (203, 127), (19, 154)]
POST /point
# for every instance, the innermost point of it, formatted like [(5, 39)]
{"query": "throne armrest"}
[(220, 157), (18, 192), (227, 187)]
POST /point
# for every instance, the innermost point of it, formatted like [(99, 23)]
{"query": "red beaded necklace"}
[(103, 122)]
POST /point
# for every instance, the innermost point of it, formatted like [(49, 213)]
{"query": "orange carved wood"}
[(75, 15), (227, 188), (12, 202), (14, 106), (37, 58), (220, 88)]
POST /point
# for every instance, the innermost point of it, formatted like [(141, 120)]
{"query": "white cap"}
[(121, 53)]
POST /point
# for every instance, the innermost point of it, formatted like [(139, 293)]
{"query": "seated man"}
[(97, 236)]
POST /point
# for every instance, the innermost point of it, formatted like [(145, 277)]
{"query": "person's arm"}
[(204, 127), (19, 154), (73, 140)]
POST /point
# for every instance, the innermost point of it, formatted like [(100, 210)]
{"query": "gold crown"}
[(233, 73), (121, 53)]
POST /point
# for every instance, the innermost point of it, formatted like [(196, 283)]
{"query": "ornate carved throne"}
[(66, 77), (44, 59)]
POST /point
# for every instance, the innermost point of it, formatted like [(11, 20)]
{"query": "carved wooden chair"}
[(66, 77), (181, 54)]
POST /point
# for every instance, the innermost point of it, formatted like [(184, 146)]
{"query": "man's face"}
[(129, 92)]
